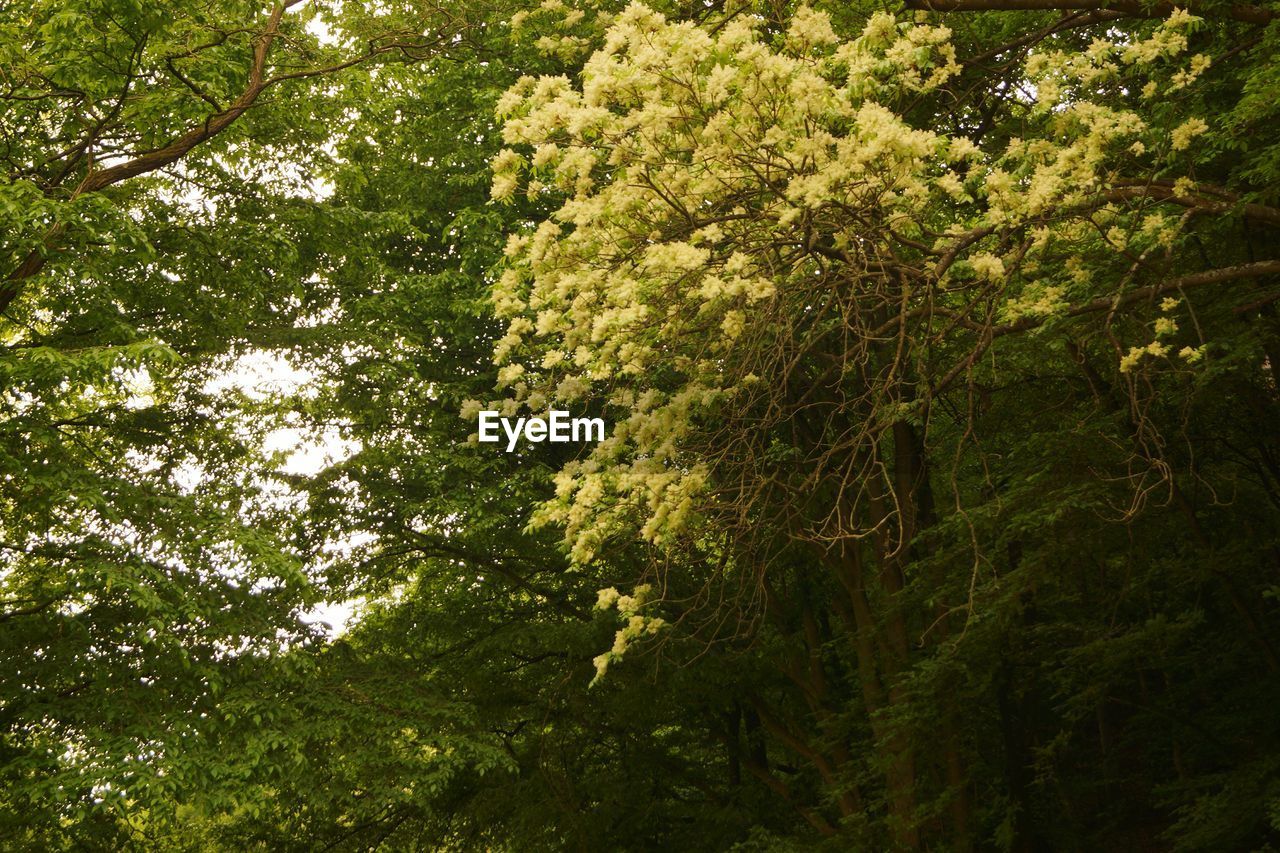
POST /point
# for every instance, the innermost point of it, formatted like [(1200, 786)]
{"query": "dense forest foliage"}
[(937, 343)]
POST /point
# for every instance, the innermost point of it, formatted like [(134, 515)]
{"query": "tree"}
[(798, 296), (143, 148)]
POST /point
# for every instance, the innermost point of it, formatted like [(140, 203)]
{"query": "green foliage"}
[(1061, 636)]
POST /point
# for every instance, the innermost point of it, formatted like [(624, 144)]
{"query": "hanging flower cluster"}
[(635, 623)]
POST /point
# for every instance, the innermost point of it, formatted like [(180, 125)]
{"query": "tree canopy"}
[(939, 507)]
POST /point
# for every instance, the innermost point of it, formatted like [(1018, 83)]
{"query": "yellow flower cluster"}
[(635, 624), (707, 178)]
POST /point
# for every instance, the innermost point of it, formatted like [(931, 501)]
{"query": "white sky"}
[(262, 374)]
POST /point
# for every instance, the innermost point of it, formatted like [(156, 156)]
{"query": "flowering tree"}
[(779, 255)]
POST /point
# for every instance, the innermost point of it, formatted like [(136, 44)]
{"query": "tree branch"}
[(213, 125), (1107, 303), (1130, 8)]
